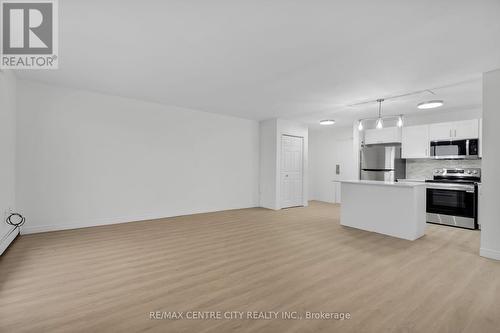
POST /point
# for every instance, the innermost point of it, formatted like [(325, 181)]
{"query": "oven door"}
[(453, 206)]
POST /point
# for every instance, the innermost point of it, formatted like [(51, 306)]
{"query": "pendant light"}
[(380, 123), (360, 125), (400, 121)]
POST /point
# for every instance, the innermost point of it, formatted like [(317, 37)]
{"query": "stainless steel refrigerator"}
[(382, 162)]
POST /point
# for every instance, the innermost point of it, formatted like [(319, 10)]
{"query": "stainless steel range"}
[(452, 197)]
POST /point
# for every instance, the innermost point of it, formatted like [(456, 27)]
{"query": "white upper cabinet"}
[(441, 131), (383, 135), (465, 129), (415, 141)]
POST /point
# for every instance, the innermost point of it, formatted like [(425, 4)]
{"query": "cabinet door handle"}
[(455, 133)]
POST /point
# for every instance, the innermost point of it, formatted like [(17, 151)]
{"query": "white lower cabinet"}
[(415, 142)]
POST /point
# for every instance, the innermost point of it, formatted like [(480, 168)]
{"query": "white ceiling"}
[(259, 59)]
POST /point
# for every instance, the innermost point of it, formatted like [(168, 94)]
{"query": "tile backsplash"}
[(422, 168)]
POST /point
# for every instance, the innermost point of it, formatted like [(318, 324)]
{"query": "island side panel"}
[(420, 209), (389, 210)]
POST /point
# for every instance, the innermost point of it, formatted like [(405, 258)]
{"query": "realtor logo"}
[(29, 34)]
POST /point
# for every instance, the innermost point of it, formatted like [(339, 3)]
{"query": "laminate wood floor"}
[(109, 278)]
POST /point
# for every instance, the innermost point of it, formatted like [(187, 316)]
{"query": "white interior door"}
[(291, 171)]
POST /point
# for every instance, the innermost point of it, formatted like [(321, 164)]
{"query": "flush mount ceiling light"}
[(327, 122), (430, 104)]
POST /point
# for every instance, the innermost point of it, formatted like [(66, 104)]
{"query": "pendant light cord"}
[(380, 100)]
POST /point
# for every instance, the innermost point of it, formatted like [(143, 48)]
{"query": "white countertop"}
[(420, 180), (383, 183)]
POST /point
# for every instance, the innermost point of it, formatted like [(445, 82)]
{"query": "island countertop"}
[(384, 183)]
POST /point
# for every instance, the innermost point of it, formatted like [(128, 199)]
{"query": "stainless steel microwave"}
[(455, 149)]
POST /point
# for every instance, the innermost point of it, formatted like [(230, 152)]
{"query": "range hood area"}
[(457, 140)]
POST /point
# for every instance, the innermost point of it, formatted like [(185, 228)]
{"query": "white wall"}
[(7, 150), (327, 148), (489, 209), (89, 159), (268, 182), (271, 131)]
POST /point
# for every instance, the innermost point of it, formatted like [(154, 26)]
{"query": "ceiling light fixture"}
[(360, 125), (327, 122), (400, 122), (430, 104)]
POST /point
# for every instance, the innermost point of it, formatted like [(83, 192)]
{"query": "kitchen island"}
[(391, 208)]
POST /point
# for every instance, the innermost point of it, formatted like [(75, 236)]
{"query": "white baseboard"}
[(27, 229), (7, 239), (488, 253)]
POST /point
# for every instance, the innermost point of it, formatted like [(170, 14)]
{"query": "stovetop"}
[(457, 176)]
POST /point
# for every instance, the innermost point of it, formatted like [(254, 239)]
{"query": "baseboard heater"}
[(8, 238)]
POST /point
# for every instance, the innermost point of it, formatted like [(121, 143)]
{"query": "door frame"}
[(304, 183)]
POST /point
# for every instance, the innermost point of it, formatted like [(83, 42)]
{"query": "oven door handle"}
[(465, 188)]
